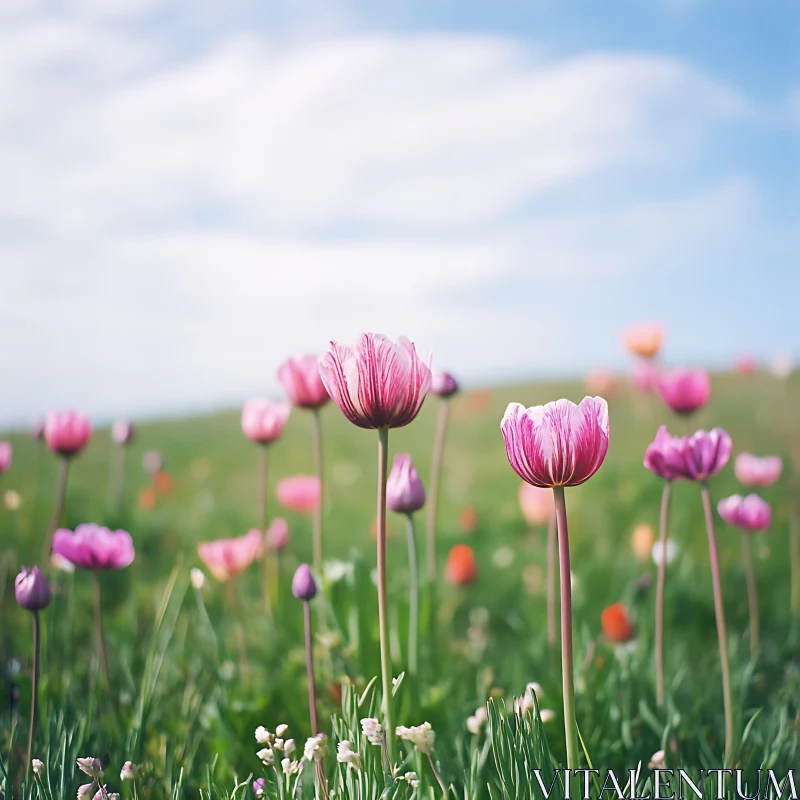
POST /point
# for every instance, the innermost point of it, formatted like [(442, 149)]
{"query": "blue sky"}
[(195, 190)]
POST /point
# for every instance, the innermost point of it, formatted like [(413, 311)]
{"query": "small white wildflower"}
[(411, 779), (316, 747), (476, 721), (289, 746), (128, 772), (278, 744), (335, 570), (672, 552), (372, 730), (344, 755), (227, 670), (547, 714), (524, 704), (102, 793), (503, 557), (113, 796), (86, 790), (266, 756), (281, 729), (421, 736), (263, 736), (290, 767), (657, 760), (197, 578), (91, 766), (37, 766)]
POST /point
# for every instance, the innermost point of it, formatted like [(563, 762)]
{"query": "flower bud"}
[(127, 773), (31, 589), (404, 490), (197, 578), (303, 585)]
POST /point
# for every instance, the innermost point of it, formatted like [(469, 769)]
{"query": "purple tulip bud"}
[(443, 384), (404, 490), (303, 586), (31, 589)]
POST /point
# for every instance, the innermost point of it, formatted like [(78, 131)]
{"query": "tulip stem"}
[(413, 598), (794, 555), (34, 686), (383, 606), (436, 474), (567, 678), (263, 477), (752, 592), (312, 695), (98, 629), (317, 532), (117, 480), (552, 543), (720, 614), (662, 578), (58, 509), (233, 605)]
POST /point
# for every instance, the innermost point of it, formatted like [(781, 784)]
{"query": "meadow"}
[(193, 672)]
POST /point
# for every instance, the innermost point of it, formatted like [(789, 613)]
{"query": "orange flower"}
[(147, 499), (642, 541), (643, 340), (468, 519), (163, 482), (462, 568), (616, 625)]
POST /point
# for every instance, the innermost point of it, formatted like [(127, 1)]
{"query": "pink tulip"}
[(685, 390), (695, 458), (754, 471), (443, 384), (227, 558), (263, 421), (94, 547), (750, 513), (645, 377), (277, 535), (67, 432), (644, 339), (5, 457), (558, 444), (404, 490), (536, 503), (122, 433), (300, 493), (301, 379), (377, 383), (745, 364)]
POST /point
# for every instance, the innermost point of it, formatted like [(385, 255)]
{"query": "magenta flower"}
[(377, 383), (5, 457), (750, 513), (666, 455), (301, 379), (558, 444), (263, 421), (31, 589), (122, 433), (303, 585), (227, 558), (300, 493), (94, 547), (443, 384), (754, 471), (695, 458), (685, 390), (404, 490), (67, 432), (277, 536)]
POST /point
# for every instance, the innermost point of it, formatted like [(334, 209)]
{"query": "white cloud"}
[(177, 224)]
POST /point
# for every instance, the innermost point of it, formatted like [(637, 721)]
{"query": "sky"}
[(193, 191)]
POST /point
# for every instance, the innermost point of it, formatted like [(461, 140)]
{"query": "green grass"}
[(179, 707)]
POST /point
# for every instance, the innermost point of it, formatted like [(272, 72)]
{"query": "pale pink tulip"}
[(377, 383), (754, 471), (750, 513), (227, 558), (558, 444), (67, 432), (94, 547), (263, 421), (300, 493), (301, 379), (644, 377), (685, 390), (277, 535), (536, 503)]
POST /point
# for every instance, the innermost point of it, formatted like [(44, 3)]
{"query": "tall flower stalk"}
[(444, 385), (378, 384), (121, 436), (553, 446), (303, 383), (660, 586)]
